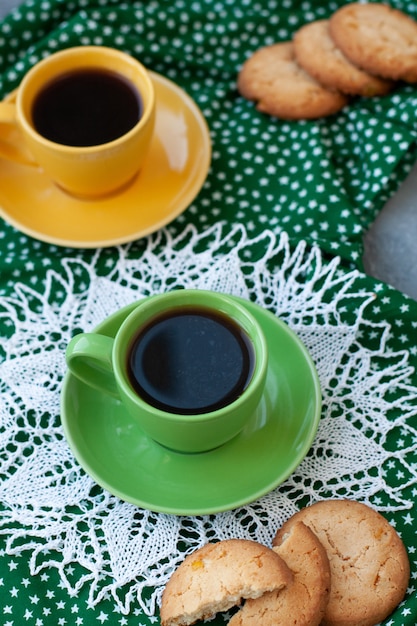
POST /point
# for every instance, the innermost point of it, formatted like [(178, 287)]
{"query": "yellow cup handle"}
[(7, 113), (11, 148)]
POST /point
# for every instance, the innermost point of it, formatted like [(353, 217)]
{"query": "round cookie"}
[(377, 38), (280, 87), (301, 603), (218, 576), (368, 562), (316, 52)]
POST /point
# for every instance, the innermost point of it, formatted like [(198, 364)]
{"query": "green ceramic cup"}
[(102, 363)]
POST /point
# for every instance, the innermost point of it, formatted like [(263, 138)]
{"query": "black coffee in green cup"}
[(219, 379), (191, 360)]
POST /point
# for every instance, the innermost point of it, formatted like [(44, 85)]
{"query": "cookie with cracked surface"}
[(280, 87), (377, 38), (316, 52), (303, 602), (369, 565), (218, 576)]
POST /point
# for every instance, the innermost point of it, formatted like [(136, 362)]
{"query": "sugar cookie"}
[(273, 79), (301, 603), (217, 577), (317, 53), (368, 561), (377, 38)]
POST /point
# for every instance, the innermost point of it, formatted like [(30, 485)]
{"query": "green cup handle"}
[(13, 151), (89, 358)]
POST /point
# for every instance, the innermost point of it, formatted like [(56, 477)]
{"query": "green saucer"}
[(115, 452)]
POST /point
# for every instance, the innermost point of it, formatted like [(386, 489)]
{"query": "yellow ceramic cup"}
[(91, 171)]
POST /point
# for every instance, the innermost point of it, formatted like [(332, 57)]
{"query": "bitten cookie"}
[(316, 52), (218, 576), (368, 562), (273, 79), (377, 38), (301, 603)]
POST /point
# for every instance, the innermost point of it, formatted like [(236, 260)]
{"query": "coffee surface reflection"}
[(190, 360)]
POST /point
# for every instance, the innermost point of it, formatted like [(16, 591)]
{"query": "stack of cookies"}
[(335, 563), (361, 50)]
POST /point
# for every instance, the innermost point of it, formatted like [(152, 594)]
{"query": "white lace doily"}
[(57, 512)]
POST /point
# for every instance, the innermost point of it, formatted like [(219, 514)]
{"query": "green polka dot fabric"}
[(320, 181)]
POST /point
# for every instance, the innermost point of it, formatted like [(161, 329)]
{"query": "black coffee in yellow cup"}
[(101, 165), (86, 107)]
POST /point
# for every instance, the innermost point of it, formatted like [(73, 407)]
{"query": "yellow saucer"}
[(172, 176)]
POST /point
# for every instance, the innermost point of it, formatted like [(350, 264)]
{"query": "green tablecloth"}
[(322, 182)]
